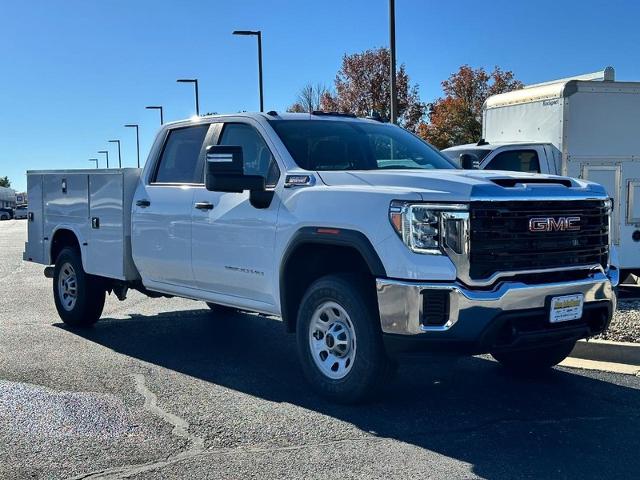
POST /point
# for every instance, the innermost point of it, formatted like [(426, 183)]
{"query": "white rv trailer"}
[(585, 127)]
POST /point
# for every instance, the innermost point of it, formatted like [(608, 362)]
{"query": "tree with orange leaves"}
[(457, 118)]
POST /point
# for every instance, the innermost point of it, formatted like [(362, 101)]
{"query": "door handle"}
[(144, 203), (203, 205)]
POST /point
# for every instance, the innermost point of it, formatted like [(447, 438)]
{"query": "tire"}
[(79, 296), (339, 339), (4, 216), (220, 309), (535, 360)]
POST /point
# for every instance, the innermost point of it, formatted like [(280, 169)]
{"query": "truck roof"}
[(274, 116), (488, 146), (557, 90)]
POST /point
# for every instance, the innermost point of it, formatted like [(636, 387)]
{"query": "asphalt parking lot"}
[(165, 389)]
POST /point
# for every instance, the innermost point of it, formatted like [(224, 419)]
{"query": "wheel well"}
[(61, 239), (310, 261)]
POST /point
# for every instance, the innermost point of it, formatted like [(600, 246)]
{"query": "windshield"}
[(346, 145)]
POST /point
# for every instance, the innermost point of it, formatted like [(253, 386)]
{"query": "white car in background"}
[(20, 213)]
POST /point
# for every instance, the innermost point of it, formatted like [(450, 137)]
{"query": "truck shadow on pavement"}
[(567, 424)]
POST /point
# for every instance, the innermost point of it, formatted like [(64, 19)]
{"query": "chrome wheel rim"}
[(332, 340), (67, 287)]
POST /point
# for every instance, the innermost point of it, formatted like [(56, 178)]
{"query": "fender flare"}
[(72, 229), (333, 236)]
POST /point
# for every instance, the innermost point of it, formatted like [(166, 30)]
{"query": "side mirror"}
[(469, 161), (225, 171)]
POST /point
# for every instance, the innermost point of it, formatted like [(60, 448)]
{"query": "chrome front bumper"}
[(401, 302)]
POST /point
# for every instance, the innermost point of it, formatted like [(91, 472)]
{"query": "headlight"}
[(430, 228)]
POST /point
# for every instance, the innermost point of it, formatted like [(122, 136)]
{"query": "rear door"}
[(233, 241), (609, 176), (161, 232)]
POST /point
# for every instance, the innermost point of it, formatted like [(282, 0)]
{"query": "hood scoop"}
[(515, 182)]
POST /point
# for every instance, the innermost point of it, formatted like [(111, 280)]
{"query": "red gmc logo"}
[(551, 224)]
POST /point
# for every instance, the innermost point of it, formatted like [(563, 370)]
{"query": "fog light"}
[(435, 307)]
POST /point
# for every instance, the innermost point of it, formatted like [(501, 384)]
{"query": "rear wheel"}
[(535, 360), (339, 340), (79, 297)]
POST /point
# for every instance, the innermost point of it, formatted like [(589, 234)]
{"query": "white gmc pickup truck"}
[(366, 241)]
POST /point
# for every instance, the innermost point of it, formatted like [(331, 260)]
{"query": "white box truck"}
[(584, 127)]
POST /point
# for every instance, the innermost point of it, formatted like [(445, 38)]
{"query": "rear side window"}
[(515, 160), (180, 156)]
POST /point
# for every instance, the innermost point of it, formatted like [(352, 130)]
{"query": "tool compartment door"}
[(34, 248), (105, 243)]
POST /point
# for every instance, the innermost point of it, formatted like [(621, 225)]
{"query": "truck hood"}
[(465, 185)]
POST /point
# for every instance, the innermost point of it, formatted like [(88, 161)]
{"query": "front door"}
[(233, 242), (161, 233)]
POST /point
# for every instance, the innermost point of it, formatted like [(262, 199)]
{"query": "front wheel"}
[(535, 360), (79, 296), (339, 339)]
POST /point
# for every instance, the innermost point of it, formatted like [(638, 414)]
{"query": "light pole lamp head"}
[(246, 32), (187, 80)]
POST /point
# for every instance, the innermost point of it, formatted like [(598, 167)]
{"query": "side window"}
[(258, 159), (180, 155), (515, 160)]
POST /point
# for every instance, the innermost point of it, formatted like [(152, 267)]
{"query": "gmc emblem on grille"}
[(554, 224)]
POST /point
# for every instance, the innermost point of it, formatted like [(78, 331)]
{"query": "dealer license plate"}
[(566, 308)]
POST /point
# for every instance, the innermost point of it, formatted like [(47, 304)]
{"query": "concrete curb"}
[(608, 351)]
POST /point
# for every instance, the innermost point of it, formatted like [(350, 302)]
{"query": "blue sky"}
[(74, 72)]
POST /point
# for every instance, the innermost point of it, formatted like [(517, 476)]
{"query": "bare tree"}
[(309, 98)]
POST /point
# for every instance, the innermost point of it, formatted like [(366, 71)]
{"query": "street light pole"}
[(392, 48), (195, 82), (157, 107), (260, 69), (119, 155), (258, 34), (94, 160), (133, 125), (106, 152)]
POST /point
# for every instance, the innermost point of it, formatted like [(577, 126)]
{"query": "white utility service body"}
[(353, 231), (93, 204), (582, 129)]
